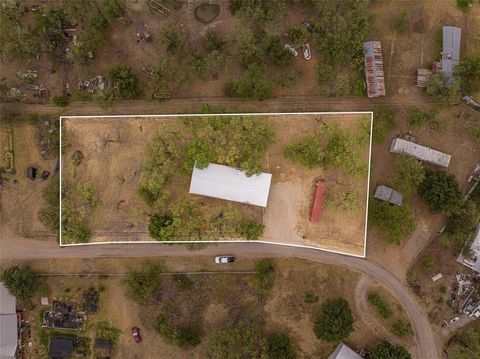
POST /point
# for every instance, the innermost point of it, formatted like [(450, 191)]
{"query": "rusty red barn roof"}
[(318, 201)]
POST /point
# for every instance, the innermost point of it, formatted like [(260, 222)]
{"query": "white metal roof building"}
[(342, 351), (474, 262), (426, 154), (231, 184), (451, 49), (8, 324)]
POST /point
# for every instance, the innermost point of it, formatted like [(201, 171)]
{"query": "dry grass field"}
[(114, 151)]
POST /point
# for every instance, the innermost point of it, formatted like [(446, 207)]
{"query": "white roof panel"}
[(427, 154), (474, 261), (9, 336), (7, 301), (344, 352), (231, 184)]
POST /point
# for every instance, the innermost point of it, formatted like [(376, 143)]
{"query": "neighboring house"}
[(8, 324), (388, 194), (422, 153), (451, 50), (231, 184), (373, 58), (472, 261), (342, 351), (103, 348), (60, 348)]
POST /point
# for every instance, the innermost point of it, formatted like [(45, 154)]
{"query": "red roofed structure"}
[(318, 201)]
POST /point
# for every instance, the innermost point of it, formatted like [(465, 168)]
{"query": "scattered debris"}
[(437, 277), (44, 300), (291, 49), (63, 316), (27, 74), (471, 102), (144, 36), (90, 301), (156, 5), (45, 175), (98, 82)]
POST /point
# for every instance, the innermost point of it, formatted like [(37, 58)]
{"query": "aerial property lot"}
[(196, 178)]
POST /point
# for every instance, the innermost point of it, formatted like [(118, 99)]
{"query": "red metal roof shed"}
[(318, 201)]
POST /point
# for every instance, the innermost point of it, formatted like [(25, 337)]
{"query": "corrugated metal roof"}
[(7, 301), (231, 184), (372, 51), (426, 154), (452, 37), (342, 351), (9, 335), (388, 194)]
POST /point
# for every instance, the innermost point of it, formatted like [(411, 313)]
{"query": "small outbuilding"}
[(343, 351), (318, 201), (373, 58), (60, 348), (472, 260), (103, 348), (388, 194), (452, 37), (31, 173), (231, 184), (422, 153)]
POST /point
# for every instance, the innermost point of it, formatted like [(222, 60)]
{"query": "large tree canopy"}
[(335, 321), (440, 190)]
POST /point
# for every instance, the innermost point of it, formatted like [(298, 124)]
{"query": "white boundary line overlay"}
[(116, 117)]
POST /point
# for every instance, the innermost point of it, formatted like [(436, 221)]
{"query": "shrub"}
[(394, 222), (400, 23), (408, 174), (240, 341), (401, 328), (468, 70), (428, 262), (386, 350), (418, 117), (307, 152), (297, 35), (21, 281), (139, 285), (440, 190), (251, 230), (335, 321), (212, 41), (60, 101), (443, 90), (280, 347), (383, 122), (181, 337), (310, 297), (379, 302), (125, 83), (263, 278), (104, 331), (253, 85)]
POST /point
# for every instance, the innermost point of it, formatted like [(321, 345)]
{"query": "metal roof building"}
[(8, 324), (342, 351), (451, 49), (372, 51), (426, 154), (231, 184), (474, 261), (387, 194)]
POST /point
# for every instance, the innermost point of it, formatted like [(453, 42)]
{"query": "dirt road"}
[(426, 345), (193, 105)]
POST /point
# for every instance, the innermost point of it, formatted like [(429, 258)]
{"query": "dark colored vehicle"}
[(45, 174), (136, 335)]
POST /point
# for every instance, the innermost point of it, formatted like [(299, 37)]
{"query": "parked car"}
[(291, 49), (307, 54), (224, 259), (136, 335)]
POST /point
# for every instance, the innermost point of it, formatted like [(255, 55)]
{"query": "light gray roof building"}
[(388, 194), (422, 153), (451, 49), (8, 324), (344, 352), (472, 262), (372, 51), (231, 184)]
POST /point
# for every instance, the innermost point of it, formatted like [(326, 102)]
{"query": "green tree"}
[(383, 122), (264, 275), (386, 350), (466, 344), (401, 329), (280, 347), (308, 152), (440, 190), (443, 90), (275, 50), (251, 230), (241, 341), (468, 70), (173, 42), (418, 117), (335, 321), (21, 281), (160, 227), (408, 175), (125, 83), (297, 35), (254, 84), (394, 222), (140, 284), (183, 337), (462, 224)]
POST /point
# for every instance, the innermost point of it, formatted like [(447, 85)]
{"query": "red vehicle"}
[(136, 335)]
